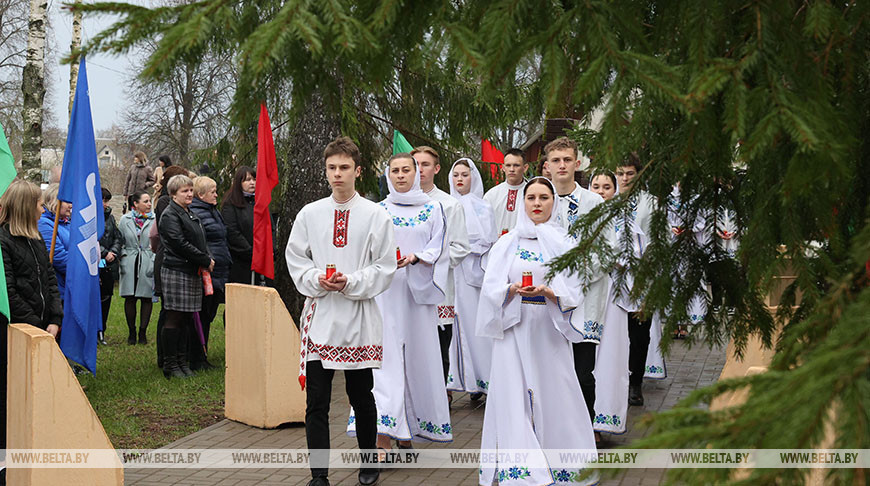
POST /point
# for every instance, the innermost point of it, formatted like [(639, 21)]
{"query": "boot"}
[(131, 337), (170, 358), (142, 338), (183, 354), (635, 395)]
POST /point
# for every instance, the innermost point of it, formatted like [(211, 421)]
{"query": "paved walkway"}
[(688, 369)]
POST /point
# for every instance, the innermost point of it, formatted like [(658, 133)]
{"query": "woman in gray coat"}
[(137, 264)]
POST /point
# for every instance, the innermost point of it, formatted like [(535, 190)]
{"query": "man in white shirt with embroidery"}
[(457, 236), (504, 197), (341, 254)]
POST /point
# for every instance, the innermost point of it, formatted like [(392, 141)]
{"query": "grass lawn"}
[(140, 408)]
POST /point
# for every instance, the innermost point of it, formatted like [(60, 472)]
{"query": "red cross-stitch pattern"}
[(446, 312), (339, 230), (347, 354), (511, 200)]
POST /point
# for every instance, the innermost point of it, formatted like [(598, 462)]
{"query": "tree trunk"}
[(33, 88), (303, 181), (74, 45)]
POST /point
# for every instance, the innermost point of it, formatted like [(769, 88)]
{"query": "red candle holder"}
[(330, 270), (504, 232), (398, 253), (527, 279)]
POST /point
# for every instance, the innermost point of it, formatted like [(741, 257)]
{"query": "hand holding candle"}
[(527, 279)]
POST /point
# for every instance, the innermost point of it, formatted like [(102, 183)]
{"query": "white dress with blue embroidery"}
[(409, 386), (535, 401)]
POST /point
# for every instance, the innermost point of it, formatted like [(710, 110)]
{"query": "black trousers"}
[(584, 365), (638, 339), (358, 385), (107, 288), (444, 337)]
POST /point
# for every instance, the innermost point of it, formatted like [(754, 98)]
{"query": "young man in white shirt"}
[(504, 197), (341, 254), (575, 202), (459, 247)]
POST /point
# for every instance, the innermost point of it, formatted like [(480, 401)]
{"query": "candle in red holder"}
[(527, 279), (207, 287), (504, 231), (330, 270), (398, 253)]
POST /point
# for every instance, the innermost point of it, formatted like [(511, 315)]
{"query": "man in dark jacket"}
[(110, 252)]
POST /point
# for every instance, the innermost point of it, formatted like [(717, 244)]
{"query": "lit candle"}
[(527, 279), (398, 253), (330, 270)]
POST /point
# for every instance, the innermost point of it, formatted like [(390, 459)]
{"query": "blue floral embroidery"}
[(351, 420), (695, 318), (592, 330), (512, 473), (420, 218), (654, 369), (450, 378), (566, 476), (446, 428), (443, 429), (483, 384), (607, 419), (388, 421), (529, 256)]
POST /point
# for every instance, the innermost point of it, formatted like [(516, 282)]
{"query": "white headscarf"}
[(479, 218), (493, 314), (414, 197)]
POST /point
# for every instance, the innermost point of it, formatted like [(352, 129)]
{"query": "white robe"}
[(457, 237), (342, 329), (535, 401), (470, 355), (505, 200), (572, 207), (409, 387)]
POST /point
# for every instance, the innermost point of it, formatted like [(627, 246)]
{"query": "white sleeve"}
[(457, 234), (370, 281), (300, 263), (428, 278)]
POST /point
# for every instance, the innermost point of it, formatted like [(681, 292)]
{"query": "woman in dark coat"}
[(204, 206), (238, 213), (110, 250), (30, 280), (185, 255)]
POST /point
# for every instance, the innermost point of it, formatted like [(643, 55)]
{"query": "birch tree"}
[(33, 87)]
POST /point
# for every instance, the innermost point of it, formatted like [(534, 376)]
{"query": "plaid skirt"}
[(181, 291)]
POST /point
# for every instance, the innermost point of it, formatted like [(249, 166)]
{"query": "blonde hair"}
[(49, 197), (177, 182), (143, 159), (562, 143), (428, 150), (202, 185), (18, 209)]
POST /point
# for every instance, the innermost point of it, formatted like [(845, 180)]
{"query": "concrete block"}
[(262, 357), (47, 409)]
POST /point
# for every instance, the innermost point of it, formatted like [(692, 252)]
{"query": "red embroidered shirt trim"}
[(446, 312), (511, 200), (347, 354), (339, 229)]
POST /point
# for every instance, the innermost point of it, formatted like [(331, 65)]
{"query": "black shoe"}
[(318, 482), (171, 367), (635, 395), (369, 477), (131, 339), (142, 338), (476, 396)]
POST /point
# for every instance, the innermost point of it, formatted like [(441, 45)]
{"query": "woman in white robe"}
[(470, 355), (611, 359), (409, 386), (534, 401)]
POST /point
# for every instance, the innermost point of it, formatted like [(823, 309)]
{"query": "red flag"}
[(263, 261), (493, 156)]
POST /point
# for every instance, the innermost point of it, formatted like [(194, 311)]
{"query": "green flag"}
[(400, 144), (7, 174)]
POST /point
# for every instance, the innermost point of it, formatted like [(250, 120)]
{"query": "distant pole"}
[(74, 45)]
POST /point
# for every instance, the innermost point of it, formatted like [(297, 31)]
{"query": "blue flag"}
[(80, 185)]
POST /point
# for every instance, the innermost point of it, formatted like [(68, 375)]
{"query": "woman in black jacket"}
[(185, 253), (204, 206), (30, 280), (238, 213), (110, 250)]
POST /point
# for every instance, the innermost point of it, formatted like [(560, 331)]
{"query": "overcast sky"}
[(106, 74)]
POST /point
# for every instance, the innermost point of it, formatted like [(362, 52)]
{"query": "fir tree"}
[(761, 107)]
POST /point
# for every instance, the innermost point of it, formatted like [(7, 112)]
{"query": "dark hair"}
[(632, 160), (235, 196), (540, 180), (107, 194), (343, 146), (166, 161), (541, 167), (516, 153), (135, 197), (605, 173), (464, 162), (401, 155), (169, 173)]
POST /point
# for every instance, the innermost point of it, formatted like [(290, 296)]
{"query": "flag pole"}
[(54, 233)]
